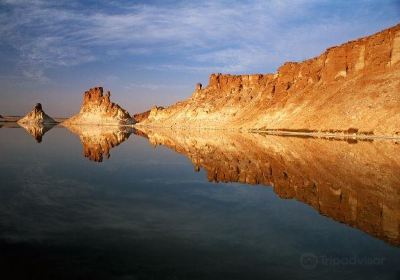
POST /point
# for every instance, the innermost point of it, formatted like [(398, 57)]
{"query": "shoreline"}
[(327, 135), (286, 132), (279, 132)]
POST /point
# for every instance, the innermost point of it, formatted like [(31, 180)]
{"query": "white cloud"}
[(226, 36), (154, 86)]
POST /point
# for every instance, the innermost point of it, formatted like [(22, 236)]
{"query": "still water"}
[(116, 203)]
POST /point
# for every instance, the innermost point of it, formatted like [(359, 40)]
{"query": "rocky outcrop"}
[(98, 140), (353, 86), (352, 183), (99, 110), (143, 116), (37, 116), (37, 122)]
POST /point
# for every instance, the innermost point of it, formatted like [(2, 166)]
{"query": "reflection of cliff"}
[(37, 130), (357, 184), (98, 140)]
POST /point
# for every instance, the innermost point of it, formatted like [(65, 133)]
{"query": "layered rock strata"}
[(143, 116), (352, 183), (99, 110), (351, 88), (37, 116)]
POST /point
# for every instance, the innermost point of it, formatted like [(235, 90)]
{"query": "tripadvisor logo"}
[(311, 261), (308, 261)]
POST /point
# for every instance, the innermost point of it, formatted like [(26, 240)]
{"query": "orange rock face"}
[(352, 86), (37, 116), (98, 109), (353, 183), (143, 116)]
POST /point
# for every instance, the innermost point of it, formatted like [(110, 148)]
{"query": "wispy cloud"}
[(224, 36), (154, 86)]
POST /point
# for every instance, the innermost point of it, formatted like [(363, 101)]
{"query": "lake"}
[(88, 202)]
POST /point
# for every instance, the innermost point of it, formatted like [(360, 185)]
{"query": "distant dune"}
[(9, 118)]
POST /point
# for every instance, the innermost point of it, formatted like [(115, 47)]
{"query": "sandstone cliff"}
[(98, 109), (353, 183), (353, 87), (143, 116), (37, 116)]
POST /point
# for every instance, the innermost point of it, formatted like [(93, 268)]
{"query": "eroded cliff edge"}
[(352, 88)]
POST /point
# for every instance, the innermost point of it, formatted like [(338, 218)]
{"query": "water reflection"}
[(97, 141), (355, 184), (36, 130)]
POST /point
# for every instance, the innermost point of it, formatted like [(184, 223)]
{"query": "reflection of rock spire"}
[(356, 184), (37, 130), (97, 141)]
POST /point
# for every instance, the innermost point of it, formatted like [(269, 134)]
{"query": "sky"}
[(154, 52)]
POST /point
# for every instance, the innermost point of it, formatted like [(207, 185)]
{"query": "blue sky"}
[(153, 52)]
